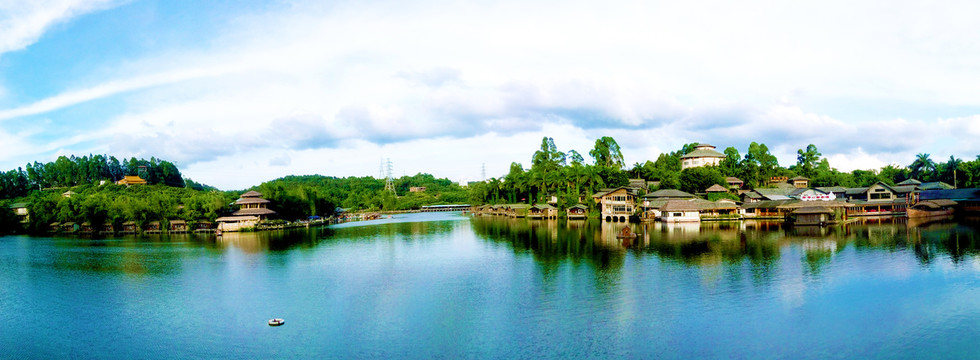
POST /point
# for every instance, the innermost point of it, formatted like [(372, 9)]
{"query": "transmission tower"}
[(389, 185), (381, 168)]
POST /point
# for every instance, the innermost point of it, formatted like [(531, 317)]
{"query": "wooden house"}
[(86, 228), (813, 215), (54, 227), (767, 209), (878, 199), (129, 227), (578, 211), (69, 227), (680, 211), (106, 228), (517, 210), (717, 210), (153, 227), (617, 204), (734, 183), (203, 226), (20, 210), (177, 226), (716, 189), (800, 182), (542, 211)]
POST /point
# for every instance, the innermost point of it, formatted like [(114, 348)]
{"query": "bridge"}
[(441, 208)]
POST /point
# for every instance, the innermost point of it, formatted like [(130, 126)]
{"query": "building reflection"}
[(760, 243)]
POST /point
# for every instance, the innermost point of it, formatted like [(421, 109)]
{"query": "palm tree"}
[(923, 167), (951, 167)]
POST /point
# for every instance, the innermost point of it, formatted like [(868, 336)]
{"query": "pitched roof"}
[(669, 193), (935, 185), (251, 200), (812, 210), (604, 192), (542, 206), (752, 195), (259, 211), (767, 204), (699, 153), (733, 179), (252, 193), (910, 182), (934, 204), (579, 206), (680, 205), (830, 189), (716, 188), (968, 194), (799, 178)]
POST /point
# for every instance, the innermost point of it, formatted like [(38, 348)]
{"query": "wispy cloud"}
[(319, 79), (23, 22)]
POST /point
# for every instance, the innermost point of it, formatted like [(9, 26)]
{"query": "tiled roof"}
[(680, 205), (812, 210), (716, 188), (969, 194), (669, 193), (699, 153)]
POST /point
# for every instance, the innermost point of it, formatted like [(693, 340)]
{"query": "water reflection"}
[(758, 243)]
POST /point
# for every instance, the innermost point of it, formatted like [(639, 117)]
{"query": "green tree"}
[(697, 179), (922, 168), (607, 153), (806, 160)]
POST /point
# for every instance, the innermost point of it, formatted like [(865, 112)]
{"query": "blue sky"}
[(240, 92)]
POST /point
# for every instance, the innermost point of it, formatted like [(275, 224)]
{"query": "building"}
[(800, 182), (252, 209), (578, 211), (703, 155), (680, 211), (131, 180), (417, 189), (542, 211), (20, 210), (616, 204), (879, 199), (813, 215), (714, 189), (734, 183)]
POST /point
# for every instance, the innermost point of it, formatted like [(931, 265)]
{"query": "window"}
[(677, 214)]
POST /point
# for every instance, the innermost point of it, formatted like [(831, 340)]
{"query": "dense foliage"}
[(92, 169)]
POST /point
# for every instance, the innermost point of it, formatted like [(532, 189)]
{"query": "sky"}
[(241, 92)]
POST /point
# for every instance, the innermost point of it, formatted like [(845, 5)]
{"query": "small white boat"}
[(276, 322)]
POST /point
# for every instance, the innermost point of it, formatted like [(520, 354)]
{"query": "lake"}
[(447, 285)]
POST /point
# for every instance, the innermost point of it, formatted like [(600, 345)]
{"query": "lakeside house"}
[(252, 209), (21, 212), (702, 155), (579, 211), (879, 199), (680, 211), (542, 211), (617, 204)]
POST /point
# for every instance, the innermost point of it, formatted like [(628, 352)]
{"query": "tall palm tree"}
[(951, 167), (923, 167)]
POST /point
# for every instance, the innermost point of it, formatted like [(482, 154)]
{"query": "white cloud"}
[(23, 22), (330, 81)]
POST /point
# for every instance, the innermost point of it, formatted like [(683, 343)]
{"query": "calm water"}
[(450, 286)]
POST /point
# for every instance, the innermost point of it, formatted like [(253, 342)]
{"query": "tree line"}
[(67, 171)]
